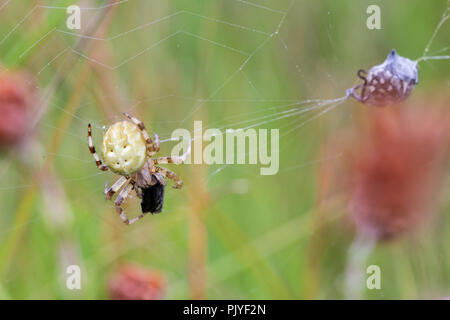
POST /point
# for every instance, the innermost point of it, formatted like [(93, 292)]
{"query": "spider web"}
[(284, 108), (232, 99)]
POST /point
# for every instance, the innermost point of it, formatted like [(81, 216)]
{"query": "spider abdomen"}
[(124, 148)]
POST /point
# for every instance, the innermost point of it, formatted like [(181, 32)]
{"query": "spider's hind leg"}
[(98, 162), (109, 192), (151, 146), (123, 195)]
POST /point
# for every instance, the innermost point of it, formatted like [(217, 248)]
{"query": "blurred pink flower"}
[(131, 282), (395, 170), (16, 99), (390, 168)]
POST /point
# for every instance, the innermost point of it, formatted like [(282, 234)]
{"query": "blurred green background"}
[(229, 233)]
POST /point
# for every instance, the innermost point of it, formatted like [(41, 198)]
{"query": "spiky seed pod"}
[(387, 83)]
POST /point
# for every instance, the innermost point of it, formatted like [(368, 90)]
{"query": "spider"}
[(127, 151), (390, 82)]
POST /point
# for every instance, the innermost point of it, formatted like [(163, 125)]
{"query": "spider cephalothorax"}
[(127, 150), (390, 82)]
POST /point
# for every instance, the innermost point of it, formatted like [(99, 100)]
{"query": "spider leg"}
[(120, 200), (170, 175), (158, 176), (151, 151), (151, 147), (175, 160), (157, 144), (137, 189), (109, 192), (138, 192), (98, 162)]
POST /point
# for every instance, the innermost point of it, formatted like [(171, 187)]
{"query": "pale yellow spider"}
[(127, 150)]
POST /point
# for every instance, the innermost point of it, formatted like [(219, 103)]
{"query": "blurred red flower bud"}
[(16, 102), (392, 168), (131, 282)]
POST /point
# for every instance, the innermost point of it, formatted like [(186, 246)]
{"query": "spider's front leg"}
[(170, 175), (98, 162), (123, 195), (169, 159), (157, 144), (152, 147)]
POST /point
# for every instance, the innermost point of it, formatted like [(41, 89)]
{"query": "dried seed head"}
[(132, 282), (388, 83), (124, 149)]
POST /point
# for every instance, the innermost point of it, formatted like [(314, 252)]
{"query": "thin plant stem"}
[(358, 253)]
